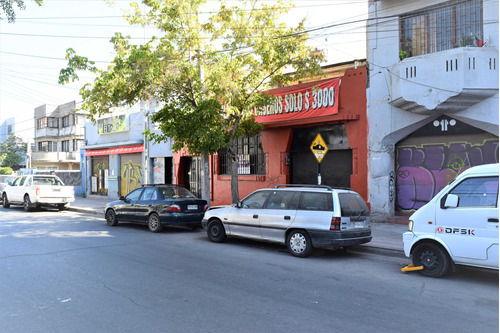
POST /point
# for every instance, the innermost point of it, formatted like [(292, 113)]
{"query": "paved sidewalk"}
[(386, 236)]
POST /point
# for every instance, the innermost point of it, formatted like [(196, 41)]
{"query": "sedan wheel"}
[(154, 223), (5, 201), (111, 219), (216, 232), (299, 243)]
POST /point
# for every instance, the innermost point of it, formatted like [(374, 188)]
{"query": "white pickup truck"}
[(33, 191)]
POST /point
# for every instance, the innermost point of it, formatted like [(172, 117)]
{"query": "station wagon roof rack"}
[(145, 185), (329, 188)]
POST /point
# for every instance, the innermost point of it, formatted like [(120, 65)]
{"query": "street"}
[(69, 272)]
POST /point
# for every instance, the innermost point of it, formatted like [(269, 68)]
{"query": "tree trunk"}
[(235, 195), (205, 177)]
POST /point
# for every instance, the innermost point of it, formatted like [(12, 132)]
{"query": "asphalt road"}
[(70, 272)]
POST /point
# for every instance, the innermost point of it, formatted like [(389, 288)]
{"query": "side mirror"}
[(239, 204), (9, 183), (122, 198), (451, 201)]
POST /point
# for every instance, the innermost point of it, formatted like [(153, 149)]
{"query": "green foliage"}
[(12, 150), (9, 10), (5, 171)]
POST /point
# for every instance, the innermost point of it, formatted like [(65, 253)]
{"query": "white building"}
[(432, 97), (59, 134)]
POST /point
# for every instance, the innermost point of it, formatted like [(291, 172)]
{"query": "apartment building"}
[(59, 134), (432, 97)]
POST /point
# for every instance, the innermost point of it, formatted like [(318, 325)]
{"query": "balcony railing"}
[(56, 156), (447, 81)]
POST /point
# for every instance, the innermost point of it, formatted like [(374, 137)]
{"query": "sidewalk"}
[(386, 236)]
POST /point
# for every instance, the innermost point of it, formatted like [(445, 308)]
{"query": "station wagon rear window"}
[(352, 204)]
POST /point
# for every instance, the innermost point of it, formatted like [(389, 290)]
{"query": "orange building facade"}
[(334, 108)]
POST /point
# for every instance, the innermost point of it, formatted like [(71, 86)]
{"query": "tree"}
[(12, 151), (9, 10), (208, 75)]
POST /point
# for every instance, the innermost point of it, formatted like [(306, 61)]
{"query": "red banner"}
[(306, 100), (117, 150)]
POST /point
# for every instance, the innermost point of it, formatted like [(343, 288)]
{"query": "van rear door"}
[(471, 229)]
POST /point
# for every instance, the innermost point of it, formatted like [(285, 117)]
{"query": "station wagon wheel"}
[(435, 261), (111, 219), (154, 223), (5, 202), (299, 243), (216, 232), (27, 203)]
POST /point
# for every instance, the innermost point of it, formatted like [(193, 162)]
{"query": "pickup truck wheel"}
[(5, 201), (299, 243), (27, 203), (111, 219), (154, 223), (435, 261)]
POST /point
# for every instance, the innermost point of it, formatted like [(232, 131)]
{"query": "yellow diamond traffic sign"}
[(319, 148)]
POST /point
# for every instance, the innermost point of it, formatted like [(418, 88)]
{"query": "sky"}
[(32, 49)]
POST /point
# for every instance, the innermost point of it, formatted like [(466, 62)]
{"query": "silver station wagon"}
[(301, 216)]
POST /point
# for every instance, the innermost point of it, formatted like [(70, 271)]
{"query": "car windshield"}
[(38, 180), (353, 205), (175, 192)]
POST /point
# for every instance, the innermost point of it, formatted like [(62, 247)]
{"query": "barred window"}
[(252, 160), (443, 27)]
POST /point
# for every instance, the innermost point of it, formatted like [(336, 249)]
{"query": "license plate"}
[(56, 190), (359, 224), (191, 207)]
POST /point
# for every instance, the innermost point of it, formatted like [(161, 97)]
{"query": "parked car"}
[(459, 226), (4, 181), (33, 191), (157, 206), (301, 216)]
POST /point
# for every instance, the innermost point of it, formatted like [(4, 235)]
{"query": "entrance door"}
[(336, 167), (192, 174)]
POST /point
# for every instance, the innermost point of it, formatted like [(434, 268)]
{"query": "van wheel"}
[(216, 232), (154, 223), (5, 201), (27, 203), (435, 261), (299, 243)]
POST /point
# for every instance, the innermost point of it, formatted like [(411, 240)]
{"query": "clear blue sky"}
[(32, 49)]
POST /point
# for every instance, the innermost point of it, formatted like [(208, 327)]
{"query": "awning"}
[(117, 150)]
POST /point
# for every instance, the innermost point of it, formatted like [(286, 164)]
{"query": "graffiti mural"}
[(131, 173), (423, 170)]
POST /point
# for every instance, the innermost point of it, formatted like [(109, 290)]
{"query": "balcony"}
[(56, 156), (448, 81)]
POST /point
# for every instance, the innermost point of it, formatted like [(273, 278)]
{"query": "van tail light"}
[(335, 224), (174, 208), (37, 191), (205, 207)]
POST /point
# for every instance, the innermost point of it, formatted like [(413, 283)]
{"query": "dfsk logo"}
[(461, 231)]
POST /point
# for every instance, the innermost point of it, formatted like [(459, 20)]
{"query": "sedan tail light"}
[(174, 208), (205, 207), (335, 224)]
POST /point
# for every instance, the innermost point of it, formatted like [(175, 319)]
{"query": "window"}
[(52, 122), (442, 27), (316, 201), (477, 192), (252, 160), (47, 146), (65, 121), (134, 195), (282, 200), (148, 193), (21, 183), (9, 129), (41, 123), (255, 200), (352, 204), (65, 145)]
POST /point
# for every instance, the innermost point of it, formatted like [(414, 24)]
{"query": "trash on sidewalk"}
[(411, 267)]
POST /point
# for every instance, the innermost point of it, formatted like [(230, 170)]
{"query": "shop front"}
[(334, 108)]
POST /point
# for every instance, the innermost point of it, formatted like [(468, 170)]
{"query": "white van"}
[(458, 226)]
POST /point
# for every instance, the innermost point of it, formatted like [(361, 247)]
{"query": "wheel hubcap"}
[(429, 259), (153, 222), (298, 243)]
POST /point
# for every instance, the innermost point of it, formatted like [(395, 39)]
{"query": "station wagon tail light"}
[(335, 224), (174, 208), (37, 191), (205, 207)]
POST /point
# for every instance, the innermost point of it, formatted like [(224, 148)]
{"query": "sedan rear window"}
[(352, 204), (175, 192)]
